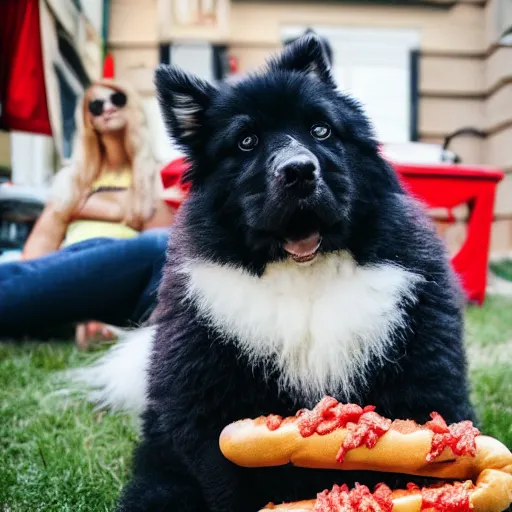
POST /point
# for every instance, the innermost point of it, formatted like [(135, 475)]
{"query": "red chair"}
[(443, 185), (447, 186)]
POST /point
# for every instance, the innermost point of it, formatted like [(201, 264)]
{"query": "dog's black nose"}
[(299, 175)]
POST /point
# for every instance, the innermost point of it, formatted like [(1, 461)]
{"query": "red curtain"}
[(22, 85)]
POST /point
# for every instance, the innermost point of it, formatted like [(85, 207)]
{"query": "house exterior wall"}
[(498, 117), (465, 77)]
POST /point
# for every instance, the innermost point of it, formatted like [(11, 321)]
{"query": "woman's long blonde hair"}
[(73, 183)]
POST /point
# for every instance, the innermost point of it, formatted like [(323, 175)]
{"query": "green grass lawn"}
[(61, 457)]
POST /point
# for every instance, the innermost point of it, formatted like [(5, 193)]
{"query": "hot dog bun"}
[(250, 443)]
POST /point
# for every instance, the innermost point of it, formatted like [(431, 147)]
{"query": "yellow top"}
[(81, 230)]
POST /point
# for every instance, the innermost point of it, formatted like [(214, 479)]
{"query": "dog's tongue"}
[(302, 247)]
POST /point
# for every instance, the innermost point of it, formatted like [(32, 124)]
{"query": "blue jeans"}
[(108, 280)]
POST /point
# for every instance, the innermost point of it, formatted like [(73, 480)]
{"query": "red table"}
[(440, 185), (447, 186)]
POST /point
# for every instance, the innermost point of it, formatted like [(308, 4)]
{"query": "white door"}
[(373, 65)]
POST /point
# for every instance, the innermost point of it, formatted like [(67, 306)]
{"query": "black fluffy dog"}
[(298, 268)]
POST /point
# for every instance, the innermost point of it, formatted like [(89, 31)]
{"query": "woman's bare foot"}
[(91, 332)]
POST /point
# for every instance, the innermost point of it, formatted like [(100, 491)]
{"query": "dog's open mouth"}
[(303, 250)]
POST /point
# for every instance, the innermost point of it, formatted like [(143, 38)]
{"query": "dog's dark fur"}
[(236, 214)]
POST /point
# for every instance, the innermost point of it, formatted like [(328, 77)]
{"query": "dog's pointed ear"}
[(307, 55), (183, 99)]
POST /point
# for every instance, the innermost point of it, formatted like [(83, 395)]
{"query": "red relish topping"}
[(365, 427), (359, 499), (366, 432), (447, 498), (442, 498), (460, 437), (273, 421)]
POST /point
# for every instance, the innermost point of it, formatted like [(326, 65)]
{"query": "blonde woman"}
[(92, 254)]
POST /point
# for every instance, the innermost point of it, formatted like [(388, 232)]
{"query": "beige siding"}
[(498, 18), (451, 75), (501, 236), (169, 30), (440, 116), (470, 149), (458, 30), (498, 149), (133, 22), (498, 115), (454, 235), (498, 68), (137, 66), (127, 59), (498, 108), (503, 205), (490, 33)]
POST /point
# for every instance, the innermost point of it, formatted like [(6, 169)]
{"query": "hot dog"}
[(491, 493), (348, 437)]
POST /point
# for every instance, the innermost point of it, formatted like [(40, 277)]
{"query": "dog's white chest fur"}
[(320, 324)]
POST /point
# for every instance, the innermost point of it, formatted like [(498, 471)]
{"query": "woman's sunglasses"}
[(118, 99)]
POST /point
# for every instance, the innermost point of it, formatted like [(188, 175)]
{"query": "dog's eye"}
[(321, 131), (248, 143)]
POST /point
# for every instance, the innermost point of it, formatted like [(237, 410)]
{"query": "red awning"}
[(22, 85)]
